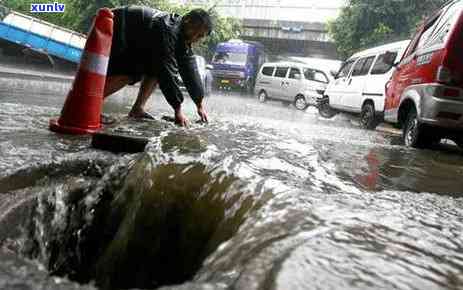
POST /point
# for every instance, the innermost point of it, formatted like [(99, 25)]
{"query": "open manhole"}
[(138, 225)]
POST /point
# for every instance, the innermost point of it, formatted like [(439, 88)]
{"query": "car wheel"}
[(368, 118), (416, 134), (300, 103), (262, 96), (324, 108)]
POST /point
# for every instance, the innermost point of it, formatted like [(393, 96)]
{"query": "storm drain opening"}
[(141, 226)]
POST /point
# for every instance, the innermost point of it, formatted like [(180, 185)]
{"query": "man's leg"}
[(147, 87), (114, 84)]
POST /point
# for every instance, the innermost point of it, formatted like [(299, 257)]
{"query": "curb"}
[(14, 75)]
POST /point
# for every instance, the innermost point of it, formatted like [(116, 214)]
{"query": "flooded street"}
[(263, 197)]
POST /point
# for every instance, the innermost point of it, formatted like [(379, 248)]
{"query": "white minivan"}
[(291, 82), (359, 86)]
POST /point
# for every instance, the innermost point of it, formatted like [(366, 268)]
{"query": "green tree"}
[(366, 23), (224, 30)]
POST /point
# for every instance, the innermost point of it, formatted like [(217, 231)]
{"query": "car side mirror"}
[(209, 66), (333, 73), (389, 58)]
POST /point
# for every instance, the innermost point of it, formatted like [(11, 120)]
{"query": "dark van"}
[(235, 64)]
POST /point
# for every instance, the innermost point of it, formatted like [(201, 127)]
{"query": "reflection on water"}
[(264, 197)]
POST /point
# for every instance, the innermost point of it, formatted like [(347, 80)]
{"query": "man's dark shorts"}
[(123, 61)]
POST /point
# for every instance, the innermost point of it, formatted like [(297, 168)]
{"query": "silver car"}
[(291, 82)]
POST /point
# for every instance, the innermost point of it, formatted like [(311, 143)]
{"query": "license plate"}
[(225, 81), (311, 100)]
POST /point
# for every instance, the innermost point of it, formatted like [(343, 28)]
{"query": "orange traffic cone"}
[(82, 109)]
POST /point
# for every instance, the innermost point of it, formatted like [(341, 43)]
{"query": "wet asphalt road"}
[(282, 199)]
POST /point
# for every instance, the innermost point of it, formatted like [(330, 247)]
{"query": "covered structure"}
[(285, 27)]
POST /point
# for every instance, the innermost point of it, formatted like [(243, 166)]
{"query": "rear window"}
[(380, 66), (281, 72), (441, 31), (268, 70), (420, 40)]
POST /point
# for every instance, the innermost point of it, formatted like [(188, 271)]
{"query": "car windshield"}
[(314, 75), (230, 58)]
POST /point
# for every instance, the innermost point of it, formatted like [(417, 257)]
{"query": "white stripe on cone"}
[(95, 63)]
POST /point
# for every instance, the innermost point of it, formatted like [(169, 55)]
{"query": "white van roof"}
[(283, 63), (325, 69), (399, 45), (326, 64), (293, 63)]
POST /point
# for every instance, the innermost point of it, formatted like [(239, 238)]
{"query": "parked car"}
[(359, 86), (204, 73), (425, 94), (291, 82), (236, 63)]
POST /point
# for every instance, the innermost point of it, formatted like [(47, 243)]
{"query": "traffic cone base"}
[(55, 126)]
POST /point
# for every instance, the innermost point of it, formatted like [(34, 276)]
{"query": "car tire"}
[(368, 118), (300, 103), (417, 135), (262, 96), (324, 108)]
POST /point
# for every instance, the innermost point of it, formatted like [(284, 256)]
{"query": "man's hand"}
[(202, 113), (181, 119)]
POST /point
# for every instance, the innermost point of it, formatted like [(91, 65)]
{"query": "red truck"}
[(425, 93)]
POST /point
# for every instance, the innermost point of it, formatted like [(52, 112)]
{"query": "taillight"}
[(444, 75)]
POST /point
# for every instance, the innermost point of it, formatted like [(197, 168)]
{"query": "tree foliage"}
[(366, 23), (78, 16)]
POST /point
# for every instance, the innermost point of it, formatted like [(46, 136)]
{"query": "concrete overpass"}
[(285, 27)]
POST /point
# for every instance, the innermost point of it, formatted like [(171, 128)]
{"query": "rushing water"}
[(264, 197)]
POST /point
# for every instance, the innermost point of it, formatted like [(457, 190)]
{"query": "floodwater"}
[(263, 197)]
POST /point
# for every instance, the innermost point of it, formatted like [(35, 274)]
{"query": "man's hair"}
[(199, 17)]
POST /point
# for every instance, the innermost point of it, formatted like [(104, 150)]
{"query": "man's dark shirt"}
[(149, 42)]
